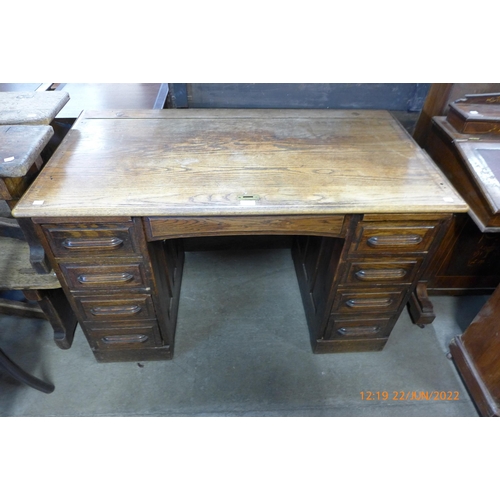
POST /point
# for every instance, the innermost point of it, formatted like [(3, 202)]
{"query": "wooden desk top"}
[(196, 162)]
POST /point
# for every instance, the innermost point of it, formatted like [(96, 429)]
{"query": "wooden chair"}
[(20, 149)]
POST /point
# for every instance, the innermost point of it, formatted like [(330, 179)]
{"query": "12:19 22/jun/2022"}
[(410, 395)]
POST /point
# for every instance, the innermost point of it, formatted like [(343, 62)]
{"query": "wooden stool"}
[(22, 259), (30, 108)]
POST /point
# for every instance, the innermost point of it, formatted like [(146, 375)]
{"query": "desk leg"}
[(420, 306)]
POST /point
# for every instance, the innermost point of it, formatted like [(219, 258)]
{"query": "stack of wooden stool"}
[(24, 133)]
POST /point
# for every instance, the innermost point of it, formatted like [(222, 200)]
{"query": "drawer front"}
[(175, 227), (83, 241), (116, 277), (346, 328), (130, 307), (367, 301), (127, 336), (371, 238), (382, 272)]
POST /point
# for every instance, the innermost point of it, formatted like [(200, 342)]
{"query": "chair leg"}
[(38, 258), (56, 307), (19, 374)]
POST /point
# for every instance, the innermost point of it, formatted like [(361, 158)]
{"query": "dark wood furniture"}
[(124, 189), (466, 145), (476, 354), (390, 96), (468, 260), (404, 100), (438, 100)]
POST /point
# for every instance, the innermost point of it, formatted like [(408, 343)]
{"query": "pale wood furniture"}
[(30, 108), (23, 108), (124, 189), (20, 149), (22, 261), (24, 134)]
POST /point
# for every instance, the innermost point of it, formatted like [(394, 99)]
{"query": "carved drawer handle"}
[(104, 243), (125, 339), (116, 310), (380, 274), (105, 278), (358, 330), (393, 241), (360, 303)]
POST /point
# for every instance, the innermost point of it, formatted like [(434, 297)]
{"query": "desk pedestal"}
[(123, 275)]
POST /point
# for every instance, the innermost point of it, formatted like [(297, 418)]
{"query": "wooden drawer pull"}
[(360, 303), (393, 241), (105, 278), (125, 339), (358, 330), (101, 243), (116, 310), (379, 274)]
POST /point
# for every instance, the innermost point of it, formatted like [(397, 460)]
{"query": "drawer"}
[(344, 328), (130, 307), (323, 346), (393, 238), (159, 228), (367, 301), (382, 272), (127, 336), (114, 277), (82, 240)]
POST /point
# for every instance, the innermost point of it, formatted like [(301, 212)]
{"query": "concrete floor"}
[(242, 349)]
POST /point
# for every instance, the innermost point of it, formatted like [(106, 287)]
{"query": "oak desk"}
[(113, 204)]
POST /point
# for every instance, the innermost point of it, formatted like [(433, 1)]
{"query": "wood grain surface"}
[(30, 108), (15, 270), (198, 162), (20, 146)]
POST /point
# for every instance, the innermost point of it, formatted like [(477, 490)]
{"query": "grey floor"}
[(242, 349)]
